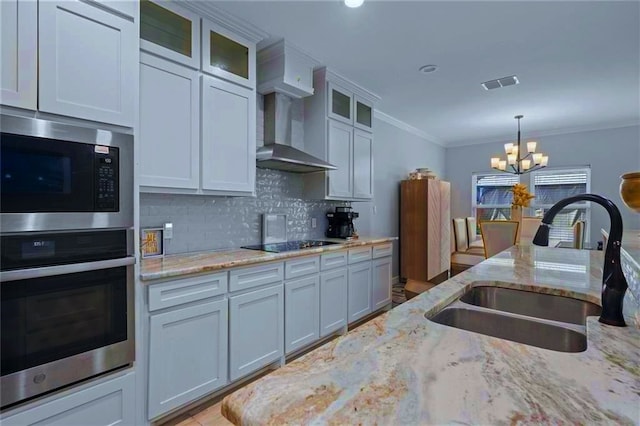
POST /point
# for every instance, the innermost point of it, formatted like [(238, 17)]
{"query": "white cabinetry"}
[(187, 355), (333, 301), (302, 316), (19, 49), (359, 296), (256, 333), (87, 60), (169, 124), (109, 403), (381, 283), (285, 69), (338, 129)]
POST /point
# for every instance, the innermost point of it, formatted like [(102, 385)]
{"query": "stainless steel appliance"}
[(289, 246), (57, 176), (67, 309), (341, 223)]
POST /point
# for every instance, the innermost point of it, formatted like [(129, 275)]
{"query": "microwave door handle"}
[(48, 271)]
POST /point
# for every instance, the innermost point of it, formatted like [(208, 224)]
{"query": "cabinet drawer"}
[(359, 254), (255, 276), (382, 250), (333, 260), (301, 267), (177, 292)]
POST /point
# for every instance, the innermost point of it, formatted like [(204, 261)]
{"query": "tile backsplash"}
[(213, 222)]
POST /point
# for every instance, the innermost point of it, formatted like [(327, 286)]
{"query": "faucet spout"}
[(614, 284)]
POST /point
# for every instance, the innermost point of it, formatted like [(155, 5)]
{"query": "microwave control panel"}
[(106, 179)]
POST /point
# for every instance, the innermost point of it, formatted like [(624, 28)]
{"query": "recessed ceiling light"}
[(353, 3), (426, 69)]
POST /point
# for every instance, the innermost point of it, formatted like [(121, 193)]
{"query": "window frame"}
[(474, 193)]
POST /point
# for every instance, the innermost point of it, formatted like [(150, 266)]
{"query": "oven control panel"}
[(106, 179)]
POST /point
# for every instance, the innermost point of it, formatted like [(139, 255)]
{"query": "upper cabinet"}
[(70, 58), (227, 55), (171, 31), (339, 129)]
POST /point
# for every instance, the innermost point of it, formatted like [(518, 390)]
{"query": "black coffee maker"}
[(341, 223)]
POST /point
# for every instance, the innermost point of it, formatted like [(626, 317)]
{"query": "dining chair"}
[(498, 235), (578, 234), (473, 239), (528, 228)]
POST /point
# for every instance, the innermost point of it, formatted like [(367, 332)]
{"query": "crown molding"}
[(336, 78), (406, 127), (232, 23)]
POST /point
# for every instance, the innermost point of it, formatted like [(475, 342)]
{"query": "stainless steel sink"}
[(538, 305), (504, 326)]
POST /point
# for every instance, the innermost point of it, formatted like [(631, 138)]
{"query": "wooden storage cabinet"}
[(333, 301), (187, 355), (256, 330), (359, 296), (340, 144), (362, 164), (109, 403), (302, 316), (100, 86), (380, 283), (19, 60)]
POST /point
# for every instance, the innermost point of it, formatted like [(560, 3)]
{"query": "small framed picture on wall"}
[(152, 242)]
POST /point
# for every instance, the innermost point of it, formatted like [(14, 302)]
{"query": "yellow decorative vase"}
[(630, 190)]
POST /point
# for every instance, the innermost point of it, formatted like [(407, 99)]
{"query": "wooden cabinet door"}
[(333, 301), (340, 145), (363, 114), (88, 60), (302, 316), (435, 245), (359, 297), (340, 105), (362, 164), (256, 332), (169, 124), (187, 355), (19, 50), (228, 137), (381, 282)]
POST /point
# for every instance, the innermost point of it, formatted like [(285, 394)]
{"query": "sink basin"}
[(538, 305), (512, 328)]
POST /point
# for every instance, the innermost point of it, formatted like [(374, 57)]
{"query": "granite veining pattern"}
[(208, 261), (401, 368)]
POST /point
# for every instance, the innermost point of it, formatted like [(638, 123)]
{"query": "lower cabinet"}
[(108, 403), (187, 355), (302, 316), (333, 301), (256, 331), (359, 297), (381, 282)]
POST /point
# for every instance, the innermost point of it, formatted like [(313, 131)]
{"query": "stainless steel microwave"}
[(56, 176)]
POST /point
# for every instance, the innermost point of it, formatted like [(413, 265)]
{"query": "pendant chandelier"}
[(517, 165)]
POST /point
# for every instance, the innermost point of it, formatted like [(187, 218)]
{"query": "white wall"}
[(609, 152), (396, 153)]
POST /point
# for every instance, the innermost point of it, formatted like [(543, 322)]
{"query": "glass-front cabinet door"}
[(363, 114), (227, 55), (340, 104), (170, 31)]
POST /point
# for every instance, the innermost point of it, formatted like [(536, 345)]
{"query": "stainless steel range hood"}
[(277, 152)]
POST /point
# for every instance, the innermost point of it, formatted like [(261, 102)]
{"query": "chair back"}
[(498, 235), (460, 234), (471, 229), (578, 234), (528, 228)]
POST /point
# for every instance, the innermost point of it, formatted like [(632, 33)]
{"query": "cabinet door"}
[(19, 44), (108, 403), (168, 30), (333, 301), (362, 164), (381, 282), (227, 55), (363, 114), (256, 330), (302, 316), (340, 104), (340, 145), (359, 297), (169, 124), (187, 355), (88, 59), (228, 136)]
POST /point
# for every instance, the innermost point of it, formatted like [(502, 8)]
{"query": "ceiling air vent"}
[(500, 82)]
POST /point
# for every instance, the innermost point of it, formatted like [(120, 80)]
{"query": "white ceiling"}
[(578, 62)]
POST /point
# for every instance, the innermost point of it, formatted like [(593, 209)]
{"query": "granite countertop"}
[(401, 368), (208, 261)]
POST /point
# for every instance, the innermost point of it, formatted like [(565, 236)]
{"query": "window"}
[(552, 185), (491, 196)]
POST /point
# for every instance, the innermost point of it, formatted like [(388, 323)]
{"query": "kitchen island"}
[(401, 368)]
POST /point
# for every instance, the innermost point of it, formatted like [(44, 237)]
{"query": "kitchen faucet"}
[(614, 285)]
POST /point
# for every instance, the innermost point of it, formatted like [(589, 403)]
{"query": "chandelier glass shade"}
[(519, 164)]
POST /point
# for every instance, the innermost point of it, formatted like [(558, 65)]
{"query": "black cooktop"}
[(289, 246)]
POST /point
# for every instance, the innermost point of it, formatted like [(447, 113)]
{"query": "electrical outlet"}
[(375, 210), (168, 230), (314, 222)]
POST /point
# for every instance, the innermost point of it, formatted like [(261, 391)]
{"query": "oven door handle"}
[(48, 271)]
